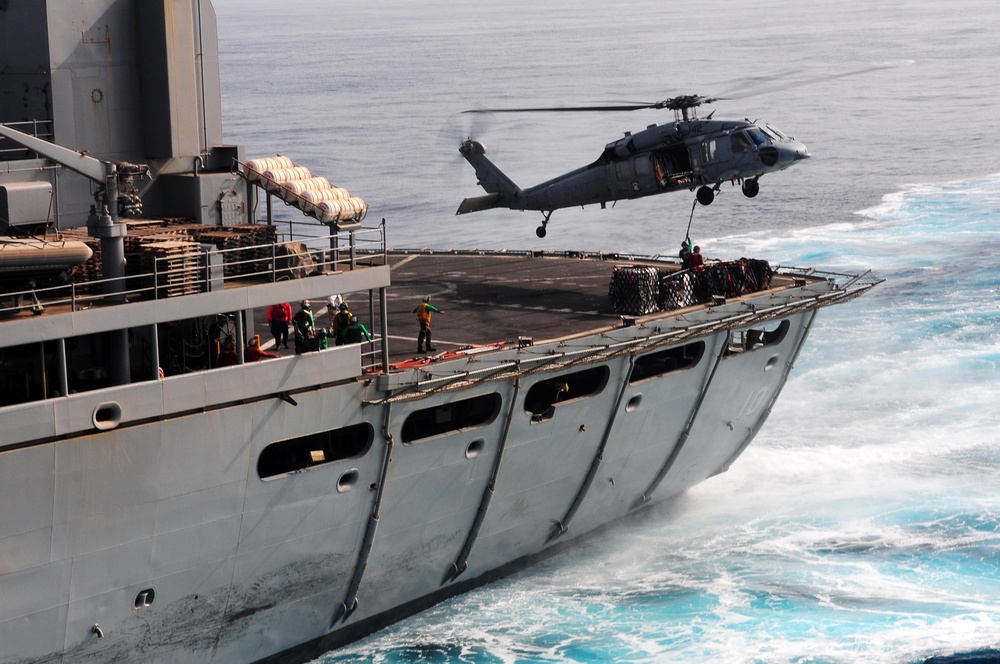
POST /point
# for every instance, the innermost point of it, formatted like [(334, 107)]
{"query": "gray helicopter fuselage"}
[(661, 158)]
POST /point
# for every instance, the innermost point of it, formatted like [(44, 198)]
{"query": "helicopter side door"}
[(672, 166), (632, 177)]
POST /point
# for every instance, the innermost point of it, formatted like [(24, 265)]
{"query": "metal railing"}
[(439, 379), (203, 270)]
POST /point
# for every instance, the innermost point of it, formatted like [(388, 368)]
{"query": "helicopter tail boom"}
[(502, 192)]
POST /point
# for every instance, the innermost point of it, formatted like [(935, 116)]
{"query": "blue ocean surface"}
[(863, 523)]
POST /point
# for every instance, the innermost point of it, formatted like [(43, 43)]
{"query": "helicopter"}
[(688, 154)]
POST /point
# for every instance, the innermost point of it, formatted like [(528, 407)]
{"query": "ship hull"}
[(174, 491), (240, 568)]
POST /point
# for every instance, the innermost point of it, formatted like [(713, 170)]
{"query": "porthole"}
[(348, 480), (541, 400), (667, 361), (316, 449), (452, 416), (750, 339), (107, 415), (144, 599), (475, 448)]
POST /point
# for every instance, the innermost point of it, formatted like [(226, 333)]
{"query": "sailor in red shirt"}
[(694, 259), (254, 352), (279, 316)]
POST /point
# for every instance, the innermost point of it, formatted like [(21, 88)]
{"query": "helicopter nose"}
[(791, 153), (797, 150)]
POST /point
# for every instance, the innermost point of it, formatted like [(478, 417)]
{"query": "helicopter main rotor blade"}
[(568, 109), (683, 102), (779, 86), (674, 103)]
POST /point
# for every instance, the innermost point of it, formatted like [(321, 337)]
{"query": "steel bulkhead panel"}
[(433, 491), (746, 385), (644, 435), (301, 532), (545, 464), (34, 588)]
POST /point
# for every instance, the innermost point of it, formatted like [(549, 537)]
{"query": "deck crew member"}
[(685, 250), (227, 355), (693, 259), (356, 332), (423, 312), (333, 305), (254, 352), (305, 328), (278, 318), (340, 322)]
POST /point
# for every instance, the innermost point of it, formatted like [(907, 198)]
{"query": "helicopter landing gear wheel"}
[(751, 188), (705, 195), (540, 231)]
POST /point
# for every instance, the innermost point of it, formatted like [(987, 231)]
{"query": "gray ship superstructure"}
[(168, 499)]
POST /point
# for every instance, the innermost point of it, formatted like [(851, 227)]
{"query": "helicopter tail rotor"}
[(453, 131)]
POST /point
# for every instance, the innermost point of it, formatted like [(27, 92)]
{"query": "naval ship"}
[(170, 496)]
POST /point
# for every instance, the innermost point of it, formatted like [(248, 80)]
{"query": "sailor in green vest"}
[(305, 328), (356, 332)]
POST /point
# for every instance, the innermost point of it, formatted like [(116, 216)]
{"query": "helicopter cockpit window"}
[(758, 137), (740, 143), (780, 134)]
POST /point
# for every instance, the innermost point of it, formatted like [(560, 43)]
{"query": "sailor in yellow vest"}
[(423, 312)]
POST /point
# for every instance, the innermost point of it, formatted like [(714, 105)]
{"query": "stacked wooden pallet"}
[(246, 247), (174, 263), (178, 244), (177, 264), (141, 253)]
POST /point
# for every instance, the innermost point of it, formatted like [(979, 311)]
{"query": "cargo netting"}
[(635, 289), (640, 290)]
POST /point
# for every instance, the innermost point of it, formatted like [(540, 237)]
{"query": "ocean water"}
[(863, 523)]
